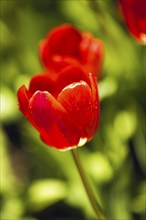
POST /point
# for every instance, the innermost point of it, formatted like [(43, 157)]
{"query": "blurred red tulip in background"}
[(134, 13), (65, 44)]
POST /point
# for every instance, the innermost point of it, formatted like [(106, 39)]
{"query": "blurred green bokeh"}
[(41, 183)]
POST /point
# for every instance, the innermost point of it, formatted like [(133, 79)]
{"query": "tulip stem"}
[(95, 205)]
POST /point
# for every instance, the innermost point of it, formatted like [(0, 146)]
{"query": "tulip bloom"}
[(65, 110), (134, 12), (66, 45)]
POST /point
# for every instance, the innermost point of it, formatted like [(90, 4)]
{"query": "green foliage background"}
[(41, 183)]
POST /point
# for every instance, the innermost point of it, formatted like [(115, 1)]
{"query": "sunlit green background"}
[(41, 183)]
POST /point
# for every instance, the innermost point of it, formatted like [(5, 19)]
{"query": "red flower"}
[(134, 12), (65, 111), (66, 45)]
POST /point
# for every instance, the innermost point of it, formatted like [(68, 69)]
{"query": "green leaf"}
[(107, 87), (99, 167), (43, 193), (125, 124), (9, 109)]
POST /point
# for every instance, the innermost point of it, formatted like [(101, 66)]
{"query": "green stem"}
[(95, 205)]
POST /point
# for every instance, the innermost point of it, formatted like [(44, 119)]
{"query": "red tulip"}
[(65, 111), (66, 45), (134, 12)]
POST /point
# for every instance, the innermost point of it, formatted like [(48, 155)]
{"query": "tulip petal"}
[(23, 99), (52, 121), (62, 40), (42, 82), (76, 98), (94, 121), (134, 13), (92, 53), (69, 75)]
